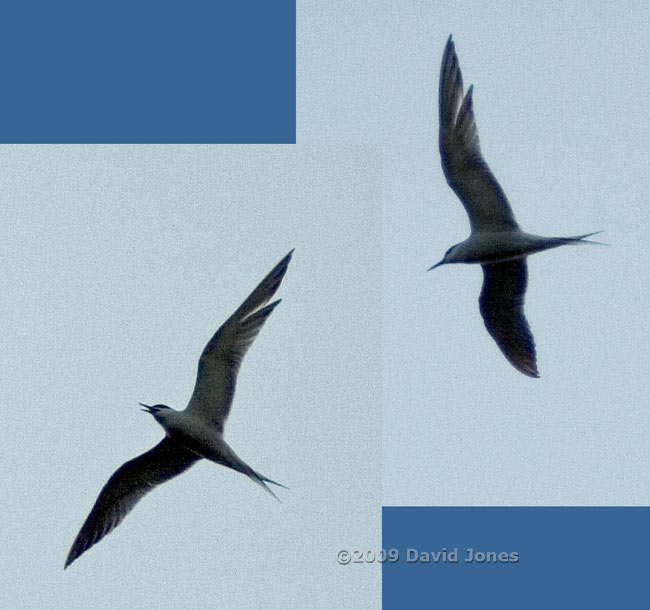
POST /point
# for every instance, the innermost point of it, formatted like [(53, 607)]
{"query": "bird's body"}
[(496, 242), (194, 433), (204, 440), (486, 247)]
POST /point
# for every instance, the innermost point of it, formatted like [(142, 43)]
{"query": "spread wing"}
[(465, 169), (128, 485), (219, 363), (502, 307)]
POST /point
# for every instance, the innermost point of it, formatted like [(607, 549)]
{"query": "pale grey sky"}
[(120, 262), (559, 96)]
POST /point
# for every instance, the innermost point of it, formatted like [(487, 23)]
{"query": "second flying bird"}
[(496, 242)]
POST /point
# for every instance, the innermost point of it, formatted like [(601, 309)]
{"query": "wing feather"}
[(466, 171), (502, 306), (128, 485), (220, 361)]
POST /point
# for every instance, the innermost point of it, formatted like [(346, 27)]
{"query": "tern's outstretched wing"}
[(222, 356), (465, 169), (502, 307), (128, 485)]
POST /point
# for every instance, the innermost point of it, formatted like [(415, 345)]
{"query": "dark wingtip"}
[(449, 46), (526, 366), (284, 263), (69, 560), (530, 370), (76, 551)]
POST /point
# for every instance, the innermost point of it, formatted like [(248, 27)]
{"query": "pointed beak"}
[(147, 408), (442, 262)]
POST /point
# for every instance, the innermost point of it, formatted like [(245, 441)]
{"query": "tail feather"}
[(262, 481), (580, 239)]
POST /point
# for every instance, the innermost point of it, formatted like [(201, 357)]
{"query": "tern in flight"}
[(496, 242), (196, 432)]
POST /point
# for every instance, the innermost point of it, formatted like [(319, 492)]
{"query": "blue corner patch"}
[(148, 71), (515, 557)]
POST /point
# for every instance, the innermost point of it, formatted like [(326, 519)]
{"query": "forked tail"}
[(262, 481), (580, 239), (227, 457)]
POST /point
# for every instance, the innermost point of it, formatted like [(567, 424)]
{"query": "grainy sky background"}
[(560, 92), (121, 264)]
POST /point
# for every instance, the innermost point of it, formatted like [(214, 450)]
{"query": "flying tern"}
[(196, 432), (496, 242)]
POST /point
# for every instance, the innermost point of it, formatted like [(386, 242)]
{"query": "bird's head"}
[(155, 410), (449, 257)]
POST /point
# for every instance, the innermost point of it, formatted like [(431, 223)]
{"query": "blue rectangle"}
[(144, 71), (521, 557)]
